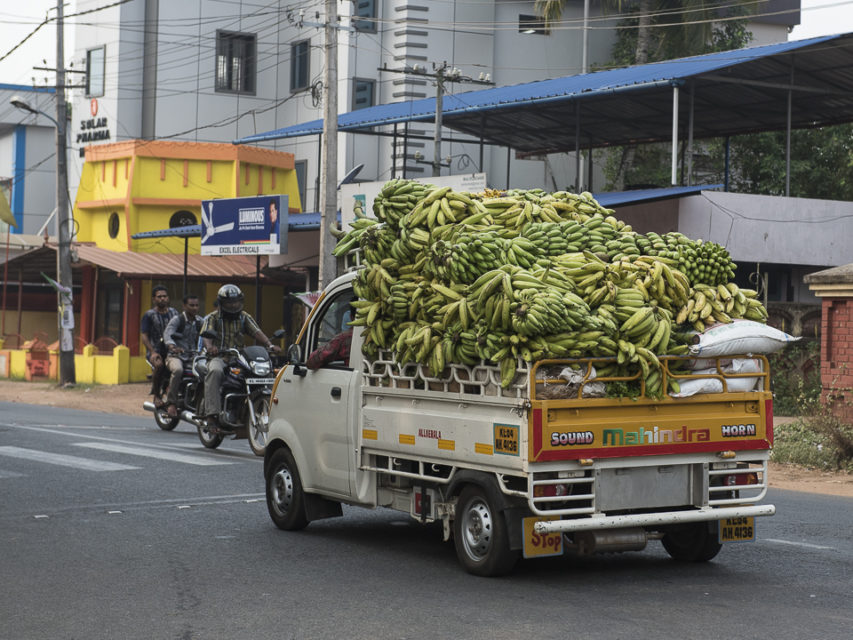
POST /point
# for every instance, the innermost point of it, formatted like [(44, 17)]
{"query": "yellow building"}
[(139, 186), (146, 185)]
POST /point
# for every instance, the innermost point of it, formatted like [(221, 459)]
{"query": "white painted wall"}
[(771, 229), (39, 154)]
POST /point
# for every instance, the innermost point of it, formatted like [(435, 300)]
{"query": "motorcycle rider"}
[(153, 326), (187, 325), (230, 323)]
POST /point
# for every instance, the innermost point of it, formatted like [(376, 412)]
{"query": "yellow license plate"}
[(740, 529), (539, 545)]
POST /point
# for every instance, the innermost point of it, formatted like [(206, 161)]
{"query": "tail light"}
[(550, 490), (740, 479)]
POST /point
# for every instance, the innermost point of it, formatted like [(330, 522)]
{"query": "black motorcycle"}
[(245, 397)]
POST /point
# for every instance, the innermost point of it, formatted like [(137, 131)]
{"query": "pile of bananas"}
[(702, 262), (722, 303), (453, 277)]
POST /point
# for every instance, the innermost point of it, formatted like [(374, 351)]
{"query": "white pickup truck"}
[(512, 471)]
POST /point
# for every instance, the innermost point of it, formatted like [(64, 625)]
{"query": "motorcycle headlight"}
[(261, 368)]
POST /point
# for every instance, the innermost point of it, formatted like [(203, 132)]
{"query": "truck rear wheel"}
[(285, 498), (480, 535), (692, 542)]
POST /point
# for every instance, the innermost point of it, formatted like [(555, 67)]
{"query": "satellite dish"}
[(350, 176)]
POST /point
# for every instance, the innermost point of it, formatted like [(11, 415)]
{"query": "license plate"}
[(260, 381), (539, 545), (740, 529)]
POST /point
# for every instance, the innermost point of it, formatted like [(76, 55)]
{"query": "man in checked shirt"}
[(230, 323)]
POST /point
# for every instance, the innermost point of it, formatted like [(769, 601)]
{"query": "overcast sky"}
[(17, 19)]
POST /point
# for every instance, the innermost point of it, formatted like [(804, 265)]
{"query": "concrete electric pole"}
[(67, 374), (329, 169)]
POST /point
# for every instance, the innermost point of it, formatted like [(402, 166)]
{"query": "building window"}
[(235, 62), (362, 93), (113, 225), (182, 219), (364, 9), (301, 167), (532, 25), (95, 72), (299, 68)]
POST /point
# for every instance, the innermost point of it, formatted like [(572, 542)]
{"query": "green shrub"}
[(793, 390), (819, 440)]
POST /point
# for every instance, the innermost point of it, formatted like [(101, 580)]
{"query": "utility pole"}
[(441, 75), (67, 374), (329, 169)]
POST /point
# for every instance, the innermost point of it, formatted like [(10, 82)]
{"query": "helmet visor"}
[(234, 305)]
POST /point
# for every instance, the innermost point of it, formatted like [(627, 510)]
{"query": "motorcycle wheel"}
[(260, 428), (164, 420), (208, 439)]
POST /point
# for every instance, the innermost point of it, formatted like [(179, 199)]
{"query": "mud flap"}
[(318, 508)]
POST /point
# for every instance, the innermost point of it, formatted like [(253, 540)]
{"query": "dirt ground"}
[(127, 399)]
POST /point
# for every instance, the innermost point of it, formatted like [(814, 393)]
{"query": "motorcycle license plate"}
[(260, 380), (740, 529)]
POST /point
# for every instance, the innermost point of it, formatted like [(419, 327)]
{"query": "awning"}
[(128, 264), (612, 199), (732, 92)]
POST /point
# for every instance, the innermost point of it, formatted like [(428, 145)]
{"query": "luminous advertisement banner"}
[(256, 226)]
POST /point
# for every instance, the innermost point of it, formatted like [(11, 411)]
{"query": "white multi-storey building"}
[(211, 71)]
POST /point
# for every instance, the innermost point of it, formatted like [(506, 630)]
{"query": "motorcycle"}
[(245, 397), (186, 393)]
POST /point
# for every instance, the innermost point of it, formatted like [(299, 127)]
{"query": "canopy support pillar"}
[(674, 164), (788, 135)]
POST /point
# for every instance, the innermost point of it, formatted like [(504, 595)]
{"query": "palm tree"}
[(680, 27)]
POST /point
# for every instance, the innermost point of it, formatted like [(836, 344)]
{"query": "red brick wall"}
[(836, 352)]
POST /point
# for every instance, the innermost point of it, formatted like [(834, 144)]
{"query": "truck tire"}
[(285, 498), (480, 535), (692, 542)]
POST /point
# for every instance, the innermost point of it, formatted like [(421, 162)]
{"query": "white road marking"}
[(799, 544), (10, 474), (153, 453), (62, 460)]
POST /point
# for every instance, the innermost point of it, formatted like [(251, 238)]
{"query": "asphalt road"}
[(111, 528)]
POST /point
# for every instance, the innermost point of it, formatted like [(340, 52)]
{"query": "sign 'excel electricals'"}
[(256, 225)]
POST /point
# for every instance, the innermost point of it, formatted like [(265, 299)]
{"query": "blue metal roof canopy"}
[(728, 93)]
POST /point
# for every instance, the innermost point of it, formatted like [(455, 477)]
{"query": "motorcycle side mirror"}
[(294, 356)]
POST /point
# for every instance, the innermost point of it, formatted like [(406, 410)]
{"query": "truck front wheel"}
[(480, 535), (692, 542), (285, 498)]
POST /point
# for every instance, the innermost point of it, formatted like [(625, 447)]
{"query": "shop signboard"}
[(255, 225)]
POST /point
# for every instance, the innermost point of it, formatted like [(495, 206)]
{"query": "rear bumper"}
[(653, 519)]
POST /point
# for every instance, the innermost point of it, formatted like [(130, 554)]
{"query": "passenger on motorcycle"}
[(153, 327), (187, 326), (230, 323)]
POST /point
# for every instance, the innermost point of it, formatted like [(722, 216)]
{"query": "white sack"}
[(740, 336)]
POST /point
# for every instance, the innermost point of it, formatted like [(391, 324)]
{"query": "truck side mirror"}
[(294, 356)]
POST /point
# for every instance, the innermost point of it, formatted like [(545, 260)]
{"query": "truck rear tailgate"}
[(618, 427)]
